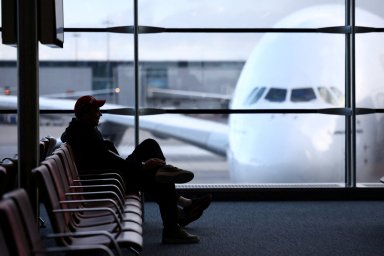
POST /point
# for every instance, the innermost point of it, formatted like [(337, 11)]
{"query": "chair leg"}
[(41, 223)]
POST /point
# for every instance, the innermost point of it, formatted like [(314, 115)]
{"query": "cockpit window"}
[(326, 95), (276, 95), (255, 95), (303, 95), (332, 96), (339, 96)]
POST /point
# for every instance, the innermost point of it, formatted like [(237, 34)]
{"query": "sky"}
[(172, 14)]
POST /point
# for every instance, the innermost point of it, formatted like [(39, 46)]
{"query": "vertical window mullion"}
[(350, 102), (353, 97), (136, 68)]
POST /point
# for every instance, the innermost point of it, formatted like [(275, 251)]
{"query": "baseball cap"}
[(86, 102)]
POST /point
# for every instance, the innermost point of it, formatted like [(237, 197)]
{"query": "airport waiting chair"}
[(70, 174), (8, 181), (67, 153), (82, 199), (3, 179), (99, 181), (4, 247), (19, 233), (112, 218), (47, 146), (126, 234)]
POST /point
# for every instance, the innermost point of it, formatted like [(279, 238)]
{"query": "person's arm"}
[(109, 144), (153, 163)]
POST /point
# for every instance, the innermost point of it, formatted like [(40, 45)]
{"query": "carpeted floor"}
[(277, 228), (271, 228)]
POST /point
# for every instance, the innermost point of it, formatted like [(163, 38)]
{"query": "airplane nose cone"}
[(286, 149)]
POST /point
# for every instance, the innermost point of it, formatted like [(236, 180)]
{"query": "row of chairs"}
[(9, 168), (19, 233), (47, 145), (97, 203), (92, 212), (8, 174)]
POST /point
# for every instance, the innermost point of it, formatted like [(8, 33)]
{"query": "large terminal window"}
[(254, 94)]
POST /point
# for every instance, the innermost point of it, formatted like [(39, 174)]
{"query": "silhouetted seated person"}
[(145, 169)]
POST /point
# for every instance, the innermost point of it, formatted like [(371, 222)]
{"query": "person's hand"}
[(153, 163)]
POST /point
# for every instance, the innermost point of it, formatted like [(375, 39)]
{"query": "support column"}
[(28, 91)]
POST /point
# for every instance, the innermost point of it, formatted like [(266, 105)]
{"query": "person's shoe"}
[(199, 203), (178, 235), (171, 174), (194, 210), (184, 218)]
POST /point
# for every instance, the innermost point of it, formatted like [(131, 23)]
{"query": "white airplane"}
[(287, 71), (305, 71)]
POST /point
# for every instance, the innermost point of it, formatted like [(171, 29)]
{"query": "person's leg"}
[(183, 201), (164, 194), (146, 150), (150, 149), (192, 208)]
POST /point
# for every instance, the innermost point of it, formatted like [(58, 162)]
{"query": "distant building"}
[(161, 82)]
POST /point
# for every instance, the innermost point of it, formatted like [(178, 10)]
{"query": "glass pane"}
[(293, 63), (8, 77), (280, 148), (187, 84), (369, 70), (302, 95), (281, 61), (208, 167), (369, 148), (276, 95), (97, 13), (8, 87), (53, 125), (69, 80), (369, 13), (197, 47), (255, 95), (252, 149), (8, 136), (91, 46), (8, 52), (227, 13)]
